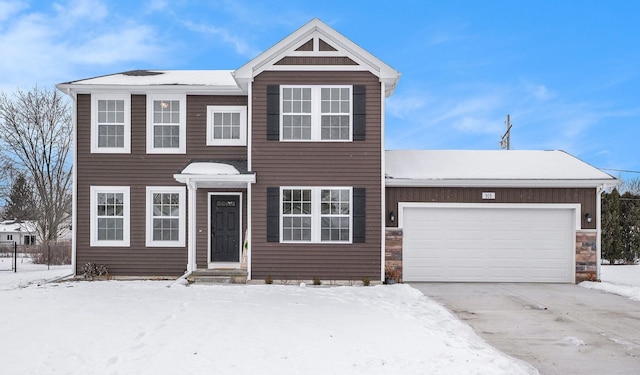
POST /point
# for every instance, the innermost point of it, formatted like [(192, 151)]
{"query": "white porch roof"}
[(212, 174)]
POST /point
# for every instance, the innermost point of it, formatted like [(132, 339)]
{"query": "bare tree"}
[(35, 136)]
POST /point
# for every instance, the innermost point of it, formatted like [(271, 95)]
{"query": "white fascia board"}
[(187, 89), (406, 182), (363, 58)]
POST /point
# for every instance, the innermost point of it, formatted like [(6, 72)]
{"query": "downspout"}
[(249, 168), (74, 188), (599, 190)]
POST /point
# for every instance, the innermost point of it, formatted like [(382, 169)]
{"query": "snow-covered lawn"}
[(155, 327), (618, 279)]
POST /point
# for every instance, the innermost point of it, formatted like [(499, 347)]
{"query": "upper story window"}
[(110, 123), (226, 125), (316, 113), (166, 124)]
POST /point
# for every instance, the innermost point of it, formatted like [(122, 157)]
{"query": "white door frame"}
[(234, 265)]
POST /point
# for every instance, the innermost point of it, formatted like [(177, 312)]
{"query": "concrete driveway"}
[(558, 328)]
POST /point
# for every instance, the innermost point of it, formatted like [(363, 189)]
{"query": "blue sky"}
[(568, 72)]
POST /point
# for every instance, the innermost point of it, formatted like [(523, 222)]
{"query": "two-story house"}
[(275, 167), (278, 170)]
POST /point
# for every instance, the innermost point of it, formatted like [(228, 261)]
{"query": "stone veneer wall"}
[(586, 255), (393, 254)]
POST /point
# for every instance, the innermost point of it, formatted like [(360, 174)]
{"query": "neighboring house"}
[(276, 169), (20, 232)]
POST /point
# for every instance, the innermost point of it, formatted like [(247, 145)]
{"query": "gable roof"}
[(318, 39), (491, 168)]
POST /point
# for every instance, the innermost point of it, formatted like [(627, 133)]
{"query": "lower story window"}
[(109, 216), (165, 216), (316, 214)]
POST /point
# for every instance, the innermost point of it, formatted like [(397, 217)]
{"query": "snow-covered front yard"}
[(156, 327), (153, 327)]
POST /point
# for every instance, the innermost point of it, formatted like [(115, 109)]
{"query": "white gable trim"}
[(317, 29)]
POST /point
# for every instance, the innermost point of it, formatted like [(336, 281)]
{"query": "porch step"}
[(218, 276)]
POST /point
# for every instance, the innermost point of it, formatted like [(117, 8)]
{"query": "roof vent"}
[(141, 73)]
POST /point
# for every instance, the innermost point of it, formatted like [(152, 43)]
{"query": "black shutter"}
[(359, 210), (273, 214), (273, 112), (359, 112)]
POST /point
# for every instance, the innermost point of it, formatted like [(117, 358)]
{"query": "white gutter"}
[(407, 182), (142, 89)]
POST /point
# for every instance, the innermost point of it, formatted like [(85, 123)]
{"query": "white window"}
[(166, 124), (316, 113), (165, 216), (316, 214), (9, 237), (226, 125), (109, 216), (110, 123)]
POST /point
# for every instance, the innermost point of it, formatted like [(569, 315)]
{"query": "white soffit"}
[(316, 28), (491, 167)]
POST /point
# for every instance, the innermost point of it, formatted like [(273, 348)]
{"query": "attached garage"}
[(488, 243), (492, 216)]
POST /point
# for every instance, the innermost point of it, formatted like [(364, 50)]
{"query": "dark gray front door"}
[(225, 228)]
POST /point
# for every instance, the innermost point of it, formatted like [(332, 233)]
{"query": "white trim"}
[(316, 214), (383, 194), (94, 190), (126, 149), (242, 110), (316, 112), (83, 88), (182, 219), (182, 124), (538, 206), (74, 188), (249, 166), (211, 264), (599, 192), (406, 182), (192, 190), (318, 29)]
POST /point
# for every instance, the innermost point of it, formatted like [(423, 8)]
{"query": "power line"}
[(619, 170)]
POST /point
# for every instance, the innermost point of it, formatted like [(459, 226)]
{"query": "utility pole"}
[(505, 141)]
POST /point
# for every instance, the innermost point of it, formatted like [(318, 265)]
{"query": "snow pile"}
[(143, 327), (617, 279)]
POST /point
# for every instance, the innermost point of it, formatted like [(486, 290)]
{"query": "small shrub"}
[(91, 270), (57, 254), (316, 281), (268, 279), (366, 281)]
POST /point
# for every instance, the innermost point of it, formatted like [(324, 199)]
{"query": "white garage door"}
[(481, 243)]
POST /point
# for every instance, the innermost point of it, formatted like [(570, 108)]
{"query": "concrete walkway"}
[(558, 328)]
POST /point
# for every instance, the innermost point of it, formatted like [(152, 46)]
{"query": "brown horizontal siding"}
[(354, 164), (139, 170), (586, 197), (316, 60)]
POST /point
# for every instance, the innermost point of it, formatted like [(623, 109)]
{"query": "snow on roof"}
[(512, 165), (208, 168), (17, 226), (217, 78)]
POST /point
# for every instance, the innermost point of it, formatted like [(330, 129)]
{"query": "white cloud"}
[(9, 8), (225, 36), (54, 43)]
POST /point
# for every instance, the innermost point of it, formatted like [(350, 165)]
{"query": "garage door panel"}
[(488, 244)]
